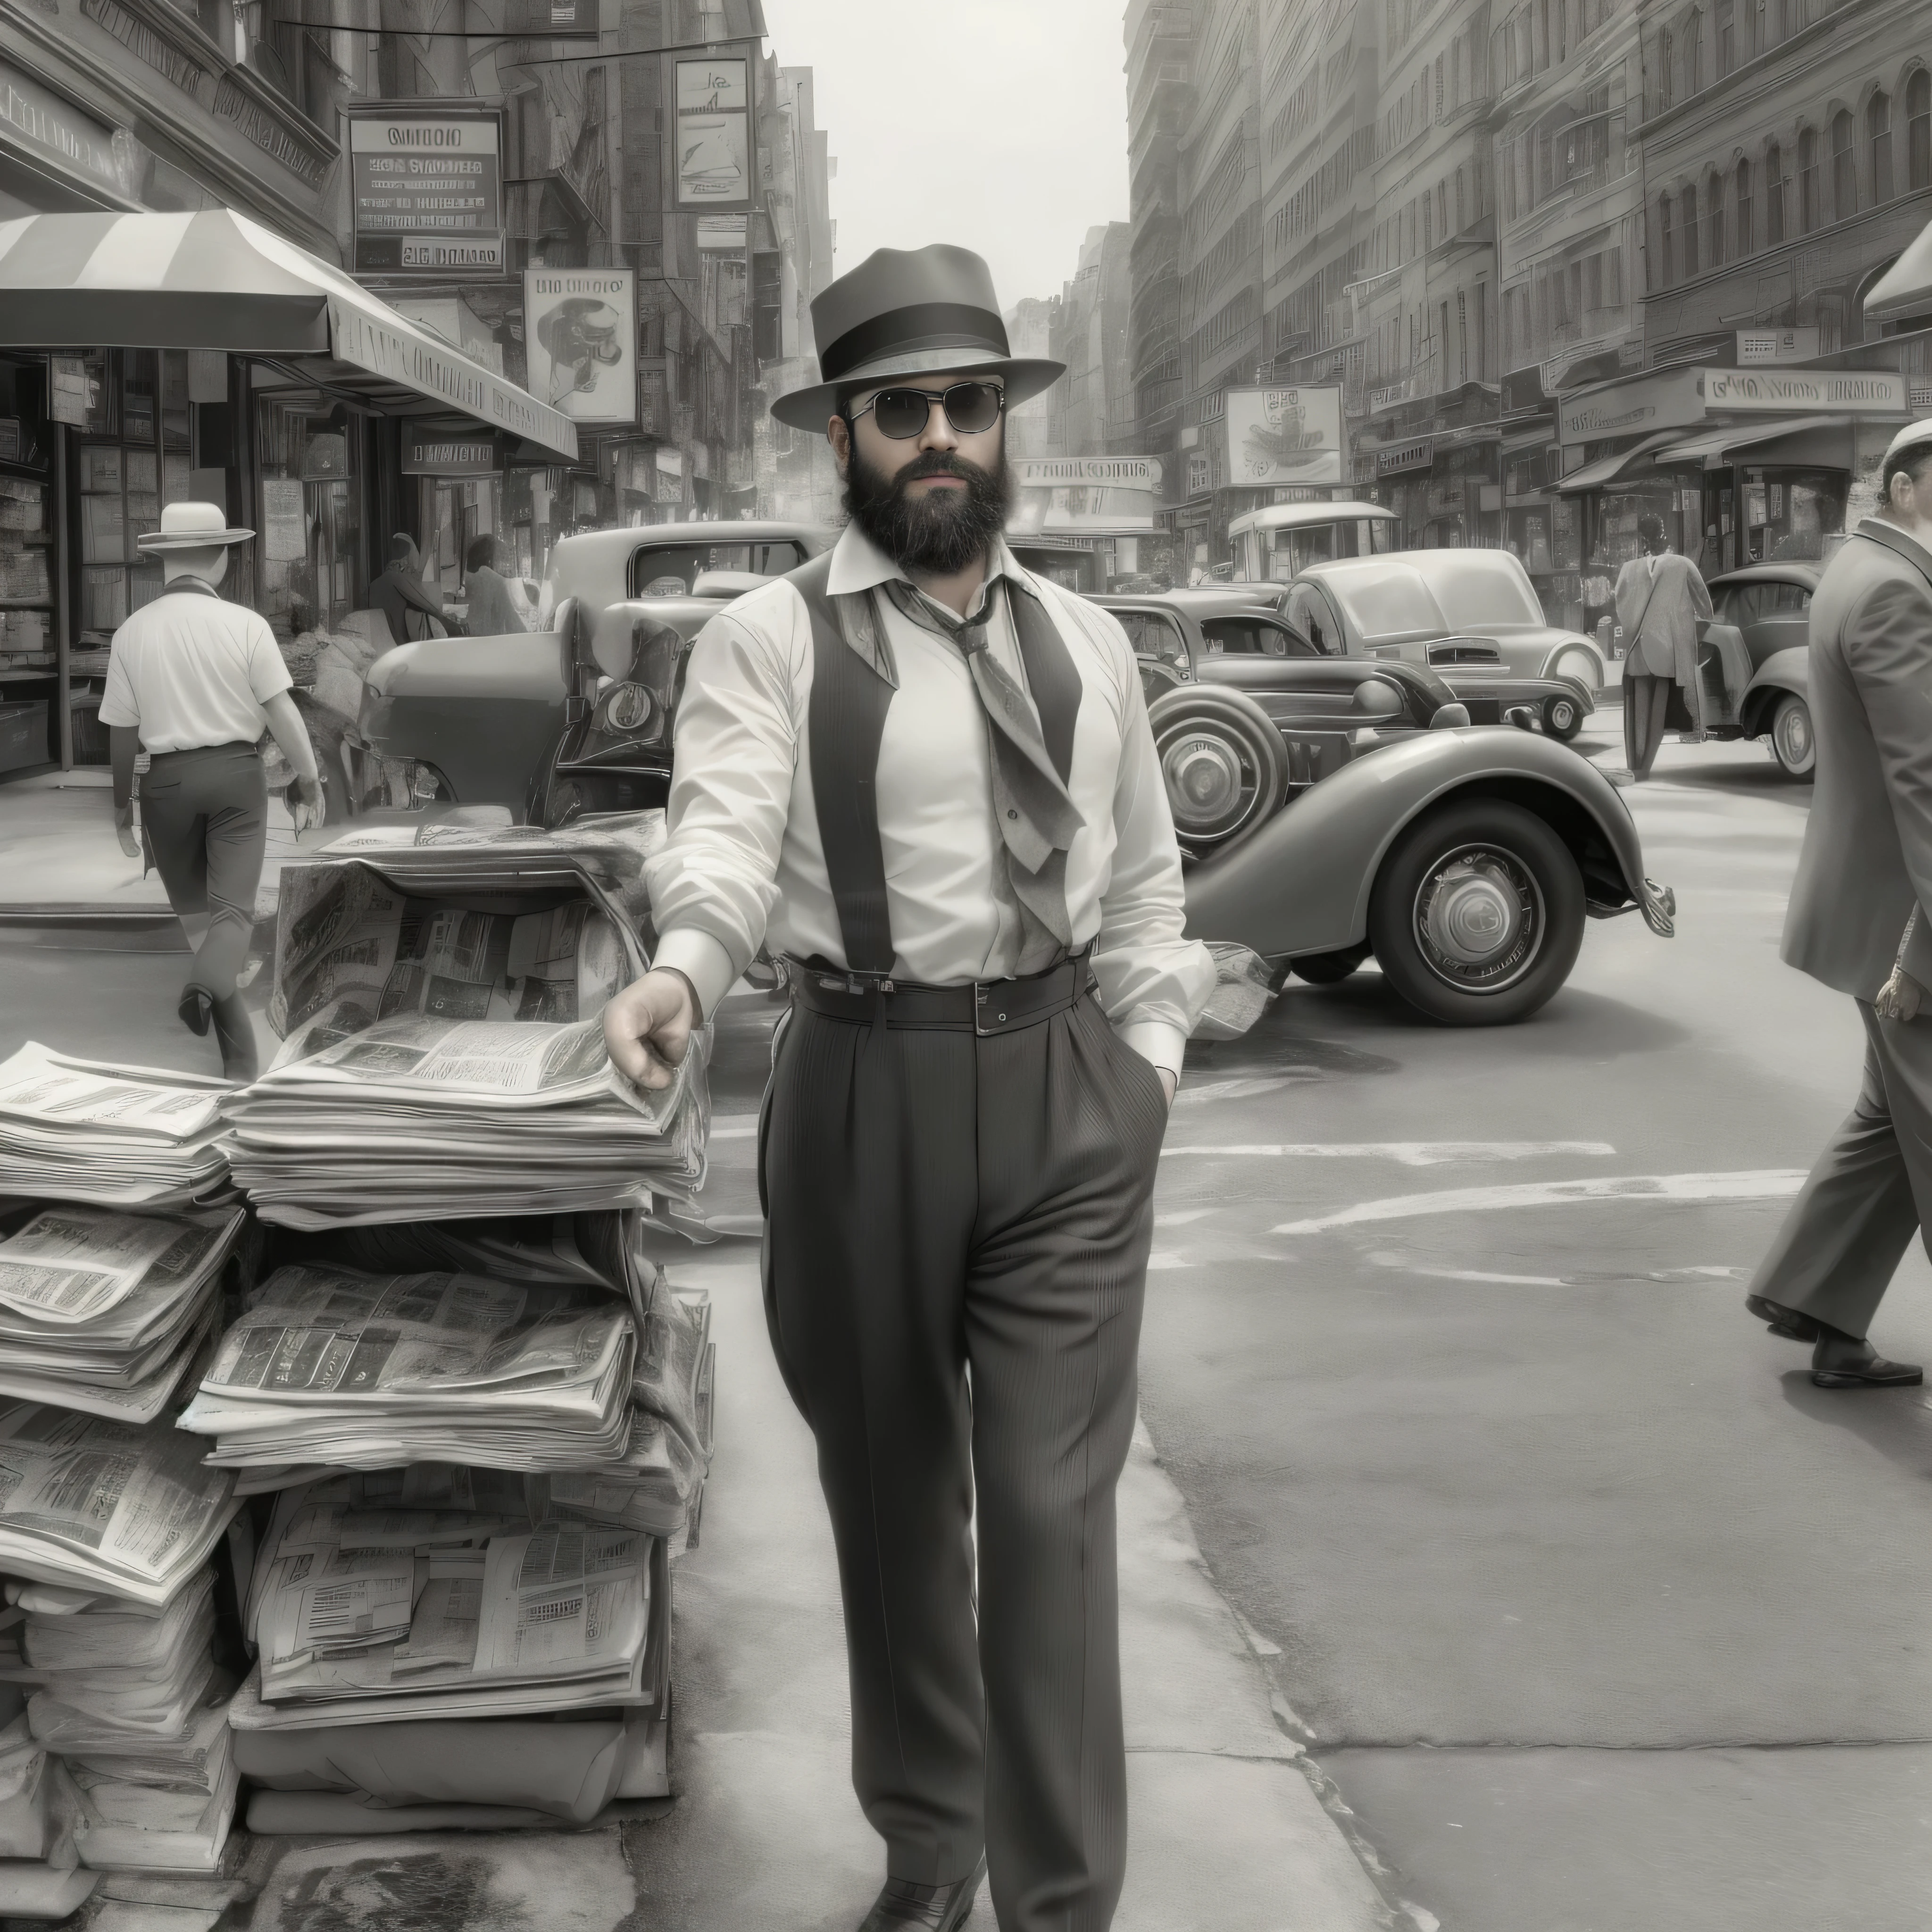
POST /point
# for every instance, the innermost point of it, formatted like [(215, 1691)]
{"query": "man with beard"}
[(924, 777)]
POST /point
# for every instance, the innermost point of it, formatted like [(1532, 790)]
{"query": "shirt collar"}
[(196, 587), (858, 564)]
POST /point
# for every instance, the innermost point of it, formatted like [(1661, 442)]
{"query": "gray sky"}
[(999, 124)]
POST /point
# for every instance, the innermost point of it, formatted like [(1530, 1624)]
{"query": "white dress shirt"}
[(744, 866), (191, 669)]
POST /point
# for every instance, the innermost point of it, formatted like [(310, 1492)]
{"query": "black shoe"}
[(1786, 1321), (1846, 1361), (929, 1908), (235, 1031), (196, 1005)]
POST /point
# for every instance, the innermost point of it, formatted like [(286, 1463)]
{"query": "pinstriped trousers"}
[(938, 1203)]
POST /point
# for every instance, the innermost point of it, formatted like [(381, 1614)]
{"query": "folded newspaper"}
[(443, 1053), (96, 1505), (104, 1311), (364, 1613), (122, 1137), (366, 1372)]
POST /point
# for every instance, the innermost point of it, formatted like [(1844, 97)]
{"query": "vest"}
[(847, 719)]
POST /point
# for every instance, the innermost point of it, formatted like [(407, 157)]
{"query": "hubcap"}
[(1794, 734), (1208, 787), (1562, 714), (1479, 920)]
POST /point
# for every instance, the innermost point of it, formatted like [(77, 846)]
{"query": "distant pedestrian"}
[(1660, 598), (1855, 923), (404, 599), (493, 611), (196, 681)]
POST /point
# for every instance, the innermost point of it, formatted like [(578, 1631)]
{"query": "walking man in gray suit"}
[(1854, 922), (1660, 599)]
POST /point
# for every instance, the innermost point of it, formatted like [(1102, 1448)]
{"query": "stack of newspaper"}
[(103, 1311), (130, 1699), (366, 1607), (359, 1371), (124, 1137), (443, 1053)]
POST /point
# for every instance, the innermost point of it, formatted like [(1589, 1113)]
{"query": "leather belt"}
[(983, 1006)]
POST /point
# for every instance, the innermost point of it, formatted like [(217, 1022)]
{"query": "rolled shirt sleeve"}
[(118, 706), (267, 674), (712, 886)]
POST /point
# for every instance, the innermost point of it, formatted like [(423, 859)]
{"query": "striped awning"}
[(215, 280), (1905, 289)]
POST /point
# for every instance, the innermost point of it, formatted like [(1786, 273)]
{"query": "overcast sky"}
[(999, 124)]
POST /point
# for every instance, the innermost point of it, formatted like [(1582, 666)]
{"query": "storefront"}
[(1088, 523), (265, 381)]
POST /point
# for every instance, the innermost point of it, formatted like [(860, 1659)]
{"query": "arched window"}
[(1665, 242), (1693, 55), (1844, 168), (1666, 55), (1774, 192), (1686, 207), (1878, 144), (1713, 221), (1743, 212), (1462, 206), (1808, 181), (1919, 130)]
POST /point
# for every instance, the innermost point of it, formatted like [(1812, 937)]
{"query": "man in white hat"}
[(196, 681), (1858, 921), (924, 776)]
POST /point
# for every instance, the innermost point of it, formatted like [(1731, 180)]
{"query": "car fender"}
[(1782, 671), (1302, 884)]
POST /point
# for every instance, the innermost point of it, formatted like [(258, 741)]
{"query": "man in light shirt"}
[(1660, 600), (197, 681), (924, 776)]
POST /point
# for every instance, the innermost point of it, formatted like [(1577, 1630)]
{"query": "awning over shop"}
[(1613, 469), (1809, 442), (216, 280), (1905, 287)]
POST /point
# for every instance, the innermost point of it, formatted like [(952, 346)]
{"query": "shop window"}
[(311, 555), (1844, 168), (1743, 213), (1919, 129), (27, 643), (1808, 181), (1878, 143), (1776, 189)]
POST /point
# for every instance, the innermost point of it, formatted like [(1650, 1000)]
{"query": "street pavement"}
[(1463, 1467)]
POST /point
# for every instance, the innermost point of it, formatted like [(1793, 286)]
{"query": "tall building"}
[(1034, 427), (1092, 337)]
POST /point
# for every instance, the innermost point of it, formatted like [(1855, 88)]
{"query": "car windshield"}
[(1295, 549), (671, 570), (1392, 602), (1477, 589), (1254, 637)]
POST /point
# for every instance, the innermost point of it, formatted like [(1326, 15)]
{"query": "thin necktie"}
[(1037, 817)]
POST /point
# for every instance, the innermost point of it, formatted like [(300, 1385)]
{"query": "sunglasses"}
[(971, 408)]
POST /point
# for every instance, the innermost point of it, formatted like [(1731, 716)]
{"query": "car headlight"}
[(625, 707)]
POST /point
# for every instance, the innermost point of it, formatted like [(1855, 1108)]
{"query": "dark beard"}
[(940, 532)]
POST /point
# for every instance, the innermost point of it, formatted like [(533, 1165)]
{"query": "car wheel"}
[(1791, 743), (1329, 969), (1477, 914), (1562, 718), (1224, 764)]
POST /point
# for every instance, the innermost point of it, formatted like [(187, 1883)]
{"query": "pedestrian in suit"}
[(1660, 598), (1854, 923), (924, 775)]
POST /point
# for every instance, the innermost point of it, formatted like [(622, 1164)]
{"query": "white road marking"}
[(1181, 1217), (1748, 1184), (1160, 1258), (1408, 1154), (1597, 1279)]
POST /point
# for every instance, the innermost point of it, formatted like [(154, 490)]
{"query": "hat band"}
[(920, 325)]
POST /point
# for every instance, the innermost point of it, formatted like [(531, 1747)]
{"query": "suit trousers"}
[(955, 1259), (1869, 1191), (1646, 707), (206, 814)]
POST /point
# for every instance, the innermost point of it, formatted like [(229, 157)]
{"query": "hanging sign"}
[(711, 117), (428, 192)]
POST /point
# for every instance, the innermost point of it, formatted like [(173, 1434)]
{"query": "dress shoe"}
[(1846, 1361), (1786, 1321), (924, 1908)]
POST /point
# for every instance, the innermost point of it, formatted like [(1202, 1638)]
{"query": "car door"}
[(1783, 621), (1311, 613)]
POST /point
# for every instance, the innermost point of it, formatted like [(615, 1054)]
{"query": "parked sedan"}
[(1242, 624), (1441, 607), (1329, 807), (1757, 660)]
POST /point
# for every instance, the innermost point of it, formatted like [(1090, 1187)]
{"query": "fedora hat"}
[(191, 527), (911, 312)]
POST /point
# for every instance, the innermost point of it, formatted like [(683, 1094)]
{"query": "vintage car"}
[(1442, 608), (1332, 807), (1276, 543), (1238, 622), (1756, 660), (575, 719)]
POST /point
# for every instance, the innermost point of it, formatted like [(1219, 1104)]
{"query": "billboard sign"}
[(428, 189), (1093, 495), (1284, 435), (712, 116), (580, 335)]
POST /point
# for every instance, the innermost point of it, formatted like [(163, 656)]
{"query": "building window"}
[(1666, 53), (1878, 139), (1461, 210), (1844, 168), (1428, 221), (1661, 274), (1438, 87), (1693, 55), (1774, 191), (1727, 36), (1742, 215), (1808, 181), (1462, 333), (1919, 130), (1442, 209), (1714, 221), (1688, 211)]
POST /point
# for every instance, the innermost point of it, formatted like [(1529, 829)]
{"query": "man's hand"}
[(647, 1028), (308, 809), (1898, 998), (123, 828), (1168, 1083)]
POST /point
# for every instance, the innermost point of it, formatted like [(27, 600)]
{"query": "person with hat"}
[(197, 681), (924, 776), (1857, 921), (1660, 599)]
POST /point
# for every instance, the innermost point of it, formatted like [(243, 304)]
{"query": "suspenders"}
[(847, 720)]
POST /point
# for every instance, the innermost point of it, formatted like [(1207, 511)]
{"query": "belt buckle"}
[(983, 994)]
